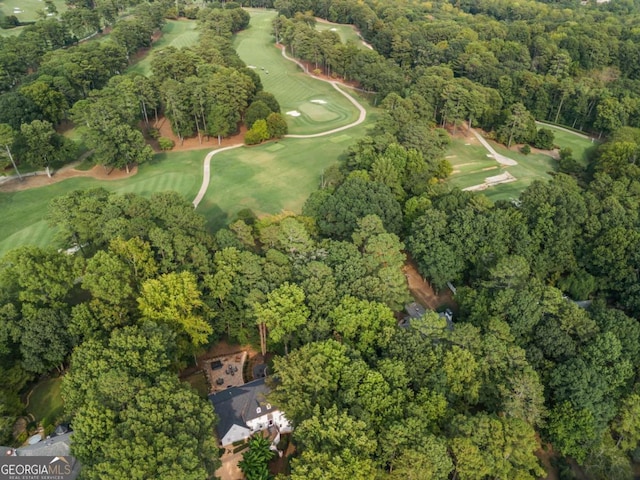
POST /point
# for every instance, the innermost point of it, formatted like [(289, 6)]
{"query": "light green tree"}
[(281, 315), (175, 299)]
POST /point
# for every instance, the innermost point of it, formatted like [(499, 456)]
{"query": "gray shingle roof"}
[(58, 446), (237, 405)]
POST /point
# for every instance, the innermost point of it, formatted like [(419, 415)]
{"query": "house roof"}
[(415, 310), (57, 446), (237, 405), (54, 446)]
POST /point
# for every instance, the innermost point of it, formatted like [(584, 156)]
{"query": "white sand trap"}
[(467, 144), (505, 177), (333, 29), (321, 102), (253, 67), (293, 113), (450, 156)]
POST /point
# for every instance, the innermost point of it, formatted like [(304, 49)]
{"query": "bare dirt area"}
[(41, 180), (462, 132), (140, 54), (422, 290), (545, 454), (229, 469), (193, 143), (555, 153)]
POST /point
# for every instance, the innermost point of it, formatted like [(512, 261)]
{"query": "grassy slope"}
[(261, 177), (272, 177), (293, 89), (582, 148), (347, 32), (471, 164), (24, 219), (45, 400), (175, 33), (29, 7)]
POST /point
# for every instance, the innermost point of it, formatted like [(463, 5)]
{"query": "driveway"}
[(229, 469)]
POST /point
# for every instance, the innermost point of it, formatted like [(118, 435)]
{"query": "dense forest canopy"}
[(545, 344)]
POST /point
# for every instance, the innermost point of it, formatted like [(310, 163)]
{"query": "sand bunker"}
[(252, 67), (333, 29), (320, 102), (293, 113), (505, 177)]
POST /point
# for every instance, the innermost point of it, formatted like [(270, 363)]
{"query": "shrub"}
[(258, 110), (166, 143), (268, 99), (544, 139), (277, 125), (153, 133), (240, 448), (257, 133), (10, 21), (191, 12), (525, 149)]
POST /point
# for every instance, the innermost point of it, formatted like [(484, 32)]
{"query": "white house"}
[(244, 410)]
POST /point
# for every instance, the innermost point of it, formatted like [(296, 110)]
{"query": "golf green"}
[(313, 106)]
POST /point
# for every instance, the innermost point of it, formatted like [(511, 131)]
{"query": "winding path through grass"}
[(501, 159), (335, 84)]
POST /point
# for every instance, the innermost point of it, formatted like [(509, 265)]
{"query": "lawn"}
[(175, 33), (24, 221), (272, 177), (347, 33), (45, 401), (266, 178), (26, 11), (471, 166), (320, 106), (582, 148)]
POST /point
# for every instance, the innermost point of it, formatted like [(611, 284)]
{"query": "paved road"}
[(207, 160), (501, 159)]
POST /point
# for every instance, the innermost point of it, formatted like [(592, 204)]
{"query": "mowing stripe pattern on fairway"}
[(294, 90), (207, 160)]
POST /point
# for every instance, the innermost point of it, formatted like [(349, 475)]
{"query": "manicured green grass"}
[(293, 88), (471, 166), (175, 33), (347, 33), (29, 8), (268, 181), (266, 178), (45, 401), (582, 148), (24, 212)]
